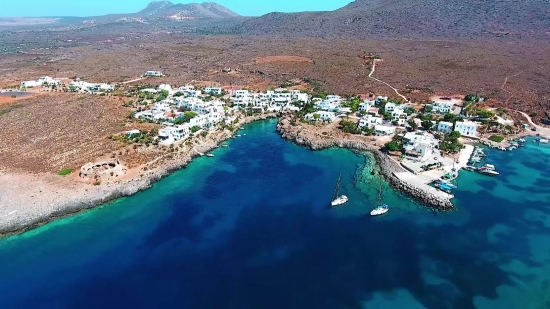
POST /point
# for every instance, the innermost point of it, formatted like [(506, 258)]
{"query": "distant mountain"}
[(154, 12), (166, 9), (411, 19)]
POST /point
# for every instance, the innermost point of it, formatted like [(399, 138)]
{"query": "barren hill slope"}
[(412, 19)]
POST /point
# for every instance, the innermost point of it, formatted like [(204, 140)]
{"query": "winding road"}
[(383, 82)]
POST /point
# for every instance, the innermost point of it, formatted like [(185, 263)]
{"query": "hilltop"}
[(366, 19), (156, 11)]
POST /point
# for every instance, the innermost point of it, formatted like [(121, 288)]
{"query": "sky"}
[(37, 8)]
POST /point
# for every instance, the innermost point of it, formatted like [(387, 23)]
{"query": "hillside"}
[(156, 11), (411, 19)]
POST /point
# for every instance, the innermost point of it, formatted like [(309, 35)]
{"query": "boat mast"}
[(380, 193), (337, 189)]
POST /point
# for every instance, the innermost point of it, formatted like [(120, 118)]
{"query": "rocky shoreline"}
[(17, 221), (301, 136)]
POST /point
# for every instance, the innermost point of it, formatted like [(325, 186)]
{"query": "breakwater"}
[(305, 136)]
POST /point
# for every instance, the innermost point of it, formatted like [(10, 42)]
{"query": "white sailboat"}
[(381, 208), (338, 199)]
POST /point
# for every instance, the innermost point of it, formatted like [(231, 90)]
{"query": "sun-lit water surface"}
[(251, 228)]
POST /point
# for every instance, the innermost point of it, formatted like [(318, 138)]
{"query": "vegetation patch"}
[(65, 172), (496, 138), (9, 108)]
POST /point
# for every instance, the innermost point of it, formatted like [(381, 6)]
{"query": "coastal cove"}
[(251, 227)]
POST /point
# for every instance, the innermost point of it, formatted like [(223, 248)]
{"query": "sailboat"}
[(381, 208), (338, 199)]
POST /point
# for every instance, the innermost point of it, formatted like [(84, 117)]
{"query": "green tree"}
[(471, 98), (187, 116), (485, 114), (450, 117), (349, 127), (195, 129), (427, 124), (409, 111), (393, 146), (413, 124), (316, 116), (428, 108)]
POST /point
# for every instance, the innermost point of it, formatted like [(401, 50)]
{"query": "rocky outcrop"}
[(299, 135), (103, 169)]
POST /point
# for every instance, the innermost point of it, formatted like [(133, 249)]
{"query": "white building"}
[(154, 74), (213, 90), (369, 121), (380, 99), (442, 107), (389, 107), (467, 128), (323, 116), (445, 127), (171, 135), (366, 105), (419, 146), (384, 130), (29, 84)]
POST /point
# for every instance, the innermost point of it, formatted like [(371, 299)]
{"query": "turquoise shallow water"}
[(251, 228)]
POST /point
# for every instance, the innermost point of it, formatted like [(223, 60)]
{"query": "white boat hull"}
[(342, 199), (379, 211)]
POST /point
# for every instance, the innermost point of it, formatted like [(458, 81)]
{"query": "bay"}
[(251, 228)]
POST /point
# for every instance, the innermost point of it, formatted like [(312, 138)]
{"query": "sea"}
[(252, 228)]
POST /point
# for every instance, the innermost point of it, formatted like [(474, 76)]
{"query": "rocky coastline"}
[(26, 218), (301, 136)]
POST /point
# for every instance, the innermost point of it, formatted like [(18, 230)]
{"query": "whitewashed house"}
[(384, 130), (389, 107), (419, 146), (381, 99), (467, 128), (29, 84), (445, 127), (323, 116), (213, 90), (171, 135), (154, 74), (441, 107), (369, 121)]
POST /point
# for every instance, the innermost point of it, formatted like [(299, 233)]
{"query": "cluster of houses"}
[(270, 100), (76, 85), (42, 81), (83, 86), (208, 113)]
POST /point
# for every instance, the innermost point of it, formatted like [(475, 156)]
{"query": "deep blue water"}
[(251, 228)]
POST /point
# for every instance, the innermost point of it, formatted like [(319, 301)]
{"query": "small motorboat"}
[(209, 155)]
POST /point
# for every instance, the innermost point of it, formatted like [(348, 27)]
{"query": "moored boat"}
[(209, 155), (338, 199), (381, 208), (488, 172)]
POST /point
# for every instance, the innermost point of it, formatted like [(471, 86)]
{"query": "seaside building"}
[(419, 146), (370, 121), (467, 128), (322, 116), (171, 135), (445, 127), (384, 130)]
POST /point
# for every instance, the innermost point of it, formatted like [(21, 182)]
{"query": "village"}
[(430, 142)]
